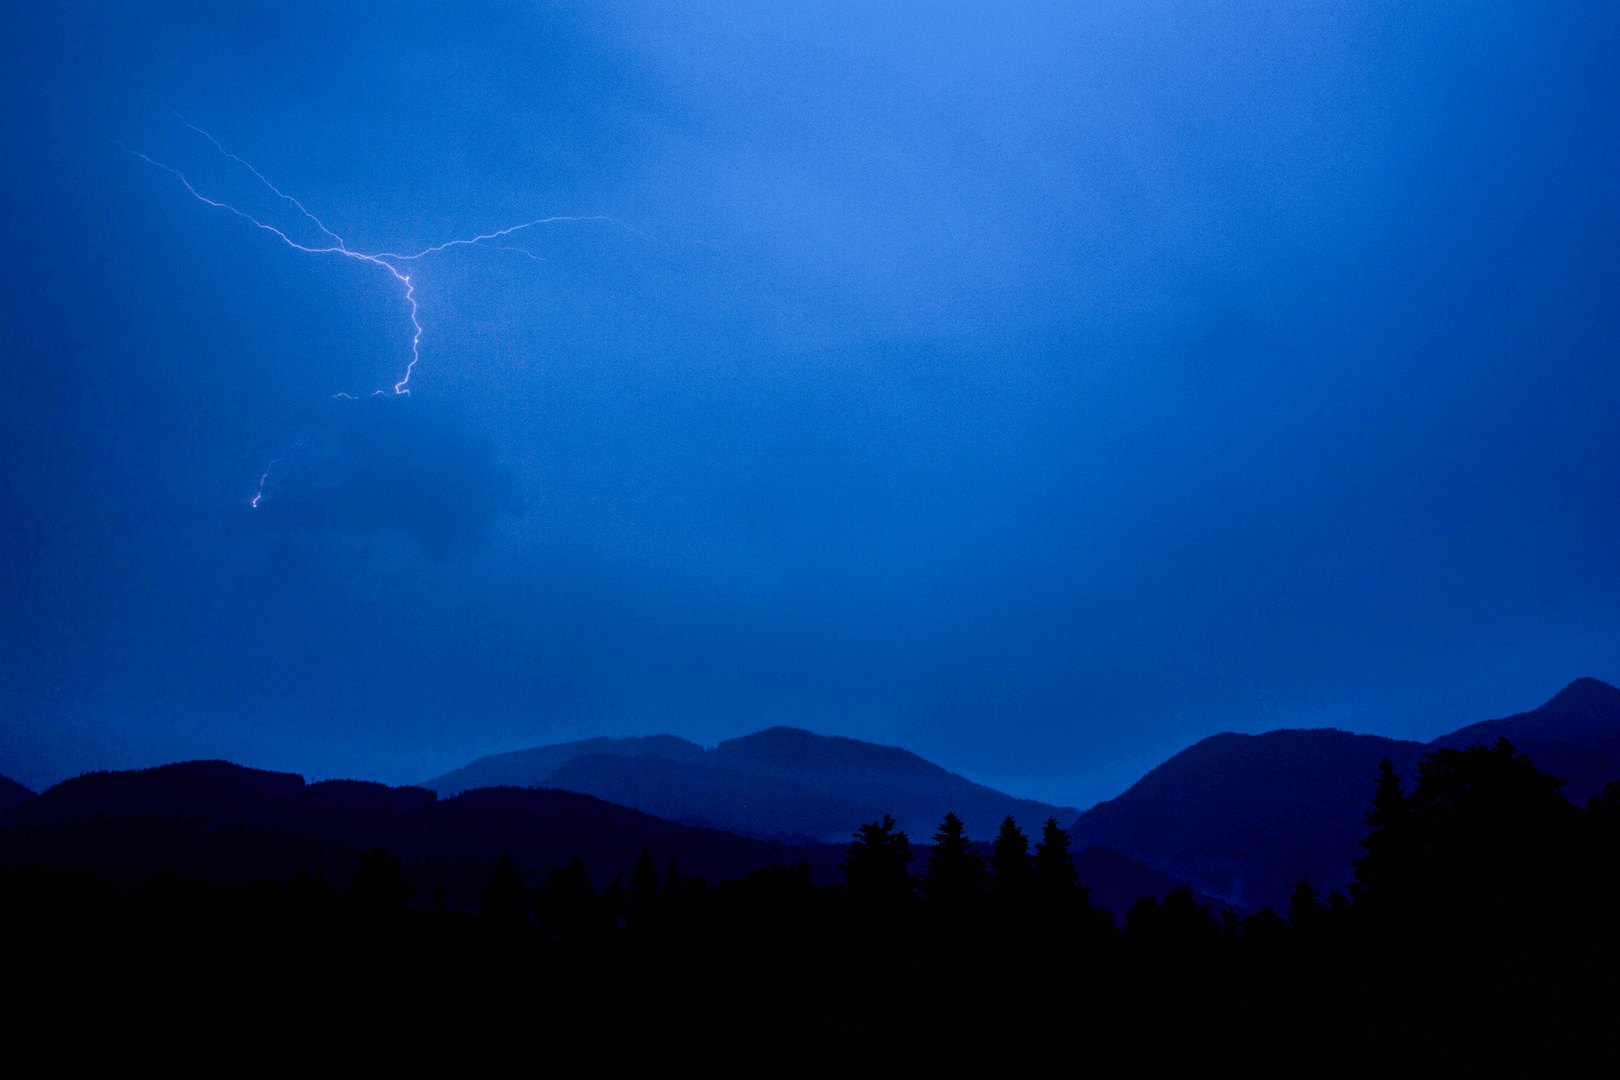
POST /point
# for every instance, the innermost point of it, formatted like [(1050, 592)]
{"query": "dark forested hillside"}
[(225, 825), (12, 793), (782, 783), (1243, 816)]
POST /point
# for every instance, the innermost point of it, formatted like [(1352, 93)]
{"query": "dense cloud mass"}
[(1040, 388)]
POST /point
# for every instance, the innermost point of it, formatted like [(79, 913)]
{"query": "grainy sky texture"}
[(1041, 387)]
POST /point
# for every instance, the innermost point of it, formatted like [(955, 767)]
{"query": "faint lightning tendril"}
[(264, 478), (338, 246)]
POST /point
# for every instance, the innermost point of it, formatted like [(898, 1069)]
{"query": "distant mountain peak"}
[(795, 750), (1584, 713), (1585, 695)]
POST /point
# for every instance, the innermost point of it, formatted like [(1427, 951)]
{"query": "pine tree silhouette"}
[(875, 863), (955, 874), (1387, 868), (1054, 866), (1483, 842), (1010, 865), (1060, 902), (1304, 908)]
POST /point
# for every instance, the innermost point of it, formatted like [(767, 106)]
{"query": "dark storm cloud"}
[(390, 464)]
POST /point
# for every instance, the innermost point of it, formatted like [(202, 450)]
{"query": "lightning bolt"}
[(336, 245), (264, 477)]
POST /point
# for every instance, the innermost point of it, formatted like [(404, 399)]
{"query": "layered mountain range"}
[(227, 826), (782, 783), (1239, 817), (1242, 817)]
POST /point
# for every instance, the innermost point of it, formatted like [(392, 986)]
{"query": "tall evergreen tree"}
[(1304, 907), (1391, 846), (1054, 866), (642, 915), (955, 873), (1010, 865), (1062, 901), (1482, 841), (875, 862), (1494, 829), (674, 880)]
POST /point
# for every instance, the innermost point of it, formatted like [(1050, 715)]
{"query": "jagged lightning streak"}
[(339, 246)]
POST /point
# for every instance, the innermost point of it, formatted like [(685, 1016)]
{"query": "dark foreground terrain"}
[(1481, 921)]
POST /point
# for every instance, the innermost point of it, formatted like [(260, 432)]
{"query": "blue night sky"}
[(1040, 387)]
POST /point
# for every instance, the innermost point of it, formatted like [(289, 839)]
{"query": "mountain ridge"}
[(1581, 714), (496, 769), (1242, 817), (12, 793), (223, 825), (781, 783)]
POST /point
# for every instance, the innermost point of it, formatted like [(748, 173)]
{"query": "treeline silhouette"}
[(1481, 890)]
